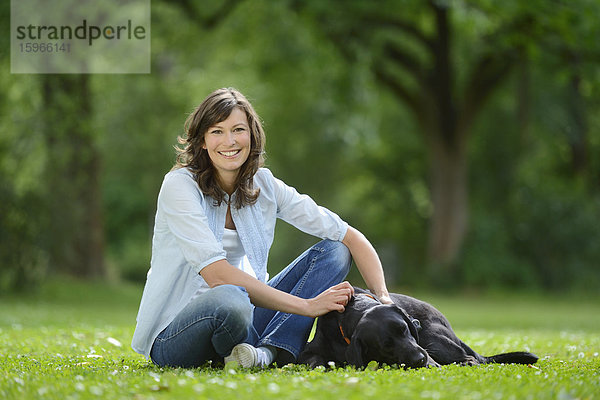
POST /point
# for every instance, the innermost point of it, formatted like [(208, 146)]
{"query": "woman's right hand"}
[(333, 299)]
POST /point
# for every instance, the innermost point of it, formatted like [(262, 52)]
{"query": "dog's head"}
[(386, 334)]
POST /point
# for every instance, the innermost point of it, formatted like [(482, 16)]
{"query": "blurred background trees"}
[(461, 137)]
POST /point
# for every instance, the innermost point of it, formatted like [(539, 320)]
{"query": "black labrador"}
[(410, 333)]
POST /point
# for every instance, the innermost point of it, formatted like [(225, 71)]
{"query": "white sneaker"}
[(245, 355)]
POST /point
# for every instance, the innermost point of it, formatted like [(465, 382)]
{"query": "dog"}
[(409, 333)]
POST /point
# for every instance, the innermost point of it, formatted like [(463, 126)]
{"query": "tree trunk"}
[(447, 152), (75, 237), (523, 100), (577, 129), (449, 197)]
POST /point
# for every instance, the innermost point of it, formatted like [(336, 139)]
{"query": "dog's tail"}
[(517, 357)]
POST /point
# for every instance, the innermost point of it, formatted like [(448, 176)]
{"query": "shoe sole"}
[(244, 355)]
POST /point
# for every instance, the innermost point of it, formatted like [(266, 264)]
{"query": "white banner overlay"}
[(80, 36)]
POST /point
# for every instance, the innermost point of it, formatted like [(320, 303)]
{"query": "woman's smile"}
[(230, 153)]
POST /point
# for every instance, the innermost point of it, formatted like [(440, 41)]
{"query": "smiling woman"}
[(206, 296), (228, 146)]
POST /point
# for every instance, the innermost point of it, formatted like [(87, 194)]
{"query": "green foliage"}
[(23, 261), (558, 237), (71, 340), (534, 200), (489, 259)]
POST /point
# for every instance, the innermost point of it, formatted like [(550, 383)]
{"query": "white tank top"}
[(235, 253)]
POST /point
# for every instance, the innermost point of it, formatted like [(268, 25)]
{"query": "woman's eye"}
[(216, 131), (239, 129)]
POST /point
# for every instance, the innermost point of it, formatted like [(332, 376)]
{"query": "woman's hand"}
[(333, 299)]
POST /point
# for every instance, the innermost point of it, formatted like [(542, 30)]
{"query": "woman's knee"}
[(338, 255), (232, 304)]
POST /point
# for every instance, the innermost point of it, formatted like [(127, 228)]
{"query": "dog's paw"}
[(431, 363), (469, 362)]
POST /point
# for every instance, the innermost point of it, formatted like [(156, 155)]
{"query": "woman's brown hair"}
[(214, 109)]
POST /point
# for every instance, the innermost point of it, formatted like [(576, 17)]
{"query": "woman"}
[(205, 297)]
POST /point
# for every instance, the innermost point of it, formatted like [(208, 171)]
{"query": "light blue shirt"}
[(188, 232)]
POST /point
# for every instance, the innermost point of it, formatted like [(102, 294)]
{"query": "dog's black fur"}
[(409, 333)]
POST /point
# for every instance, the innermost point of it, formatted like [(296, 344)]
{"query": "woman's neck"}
[(227, 183)]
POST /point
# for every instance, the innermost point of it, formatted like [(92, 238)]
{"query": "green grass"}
[(71, 341)]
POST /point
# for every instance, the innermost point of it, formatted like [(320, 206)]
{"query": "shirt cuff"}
[(200, 267)]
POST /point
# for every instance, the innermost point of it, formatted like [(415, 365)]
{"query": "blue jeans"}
[(210, 325)]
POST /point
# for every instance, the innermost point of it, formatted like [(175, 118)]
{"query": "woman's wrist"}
[(307, 308), (383, 295)]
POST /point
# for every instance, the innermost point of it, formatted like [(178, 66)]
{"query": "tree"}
[(443, 79), (75, 232)]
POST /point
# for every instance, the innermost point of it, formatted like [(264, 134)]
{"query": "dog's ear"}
[(354, 352), (414, 325)]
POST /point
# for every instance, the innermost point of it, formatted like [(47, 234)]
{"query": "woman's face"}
[(228, 145)]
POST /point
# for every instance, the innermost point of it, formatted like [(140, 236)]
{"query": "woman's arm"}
[(263, 295), (367, 262)]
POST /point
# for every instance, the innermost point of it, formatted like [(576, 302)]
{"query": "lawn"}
[(72, 341)]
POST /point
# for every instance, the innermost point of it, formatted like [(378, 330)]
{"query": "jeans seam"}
[(286, 316), (313, 261)]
